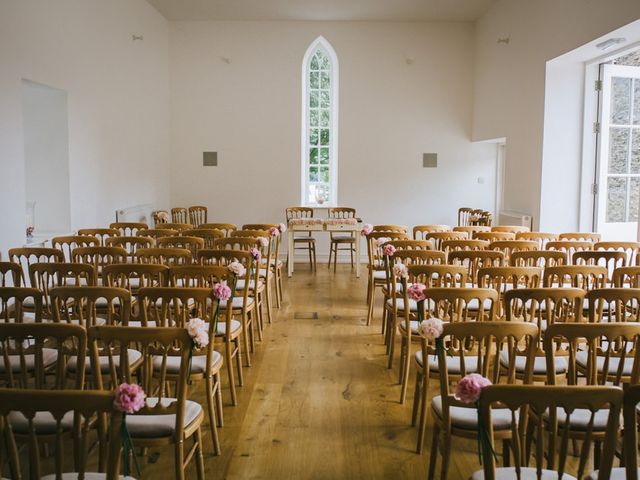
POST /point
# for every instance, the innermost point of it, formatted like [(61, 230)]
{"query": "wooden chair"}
[(453, 245), (436, 238), (180, 215), (613, 304), (580, 237), (99, 257), (599, 354), (464, 216), (481, 217), (538, 258), (206, 234), (227, 228), (510, 228), (20, 305), (606, 258), (10, 274), (483, 342), (419, 231), (177, 226), (302, 241), (197, 215), (626, 277), (391, 229), (526, 416), (508, 247), (130, 244), (163, 256), (159, 217), (26, 256), (416, 245), (629, 248), (341, 239), (157, 233), (48, 275), (471, 230), (129, 228), (543, 307), (277, 265), (586, 277), (100, 233), (569, 247), (473, 260), (541, 237), (174, 307), (494, 236), (193, 244), (68, 243), (165, 419), (61, 407), (504, 279)]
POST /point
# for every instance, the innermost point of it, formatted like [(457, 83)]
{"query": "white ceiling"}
[(388, 10)]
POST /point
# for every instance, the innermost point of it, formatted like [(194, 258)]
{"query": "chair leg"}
[(199, 460), (268, 294), (405, 373), (232, 381), (179, 459), (238, 347), (310, 259), (416, 399), (371, 301), (446, 455), (403, 352), (335, 259), (424, 405), (392, 341), (218, 397), (211, 410), (433, 457), (331, 244), (315, 261), (278, 286), (351, 251)]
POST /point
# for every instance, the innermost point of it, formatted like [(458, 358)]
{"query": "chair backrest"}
[(208, 235), (629, 248), (129, 228), (25, 256), (473, 260), (237, 243), (20, 305), (90, 306), (510, 246), (227, 228), (223, 258), (420, 257), (494, 236), (419, 231), (197, 215), (541, 237), (510, 228), (534, 414), (298, 212), (586, 277), (437, 275), (538, 258), (45, 276), (411, 244), (85, 405), (569, 246), (606, 258), (133, 276), (199, 276), (341, 212), (626, 277), (614, 304), (99, 256), (461, 304), (391, 229), (100, 233), (68, 243), (175, 306), (598, 353), (131, 244), (453, 245), (35, 355), (159, 217), (10, 274), (544, 306), (177, 226), (193, 244), (464, 215), (179, 215), (157, 233), (630, 407), (503, 279), (164, 256), (438, 237), (375, 245), (472, 229), (580, 236)]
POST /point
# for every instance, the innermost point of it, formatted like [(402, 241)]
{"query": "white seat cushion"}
[(612, 368), (414, 326), (539, 364), (198, 363), (379, 275), (151, 426), (580, 419), (222, 327), (236, 302), (138, 323), (87, 476), (619, 473), (43, 421), (474, 304), (526, 473), (133, 355), (49, 357), (453, 363), (252, 283), (343, 237), (413, 305), (467, 418)]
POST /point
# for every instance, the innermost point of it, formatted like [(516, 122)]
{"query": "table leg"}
[(290, 252), (357, 253)]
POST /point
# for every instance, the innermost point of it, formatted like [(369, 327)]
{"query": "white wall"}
[(510, 83), (46, 156), (248, 110), (117, 99)]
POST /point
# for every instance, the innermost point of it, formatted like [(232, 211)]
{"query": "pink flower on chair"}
[(255, 253), (366, 229), (431, 328), (282, 227), (469, 388), (381, 241), (163, 216), (263, 241), (129, 398), (416, 292), (274, 232), (197, 329), (400, 270), (389, 250), (222, 291), (237, 269)]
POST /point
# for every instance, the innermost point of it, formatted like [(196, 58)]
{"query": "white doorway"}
[(46, 155), (618, 166)]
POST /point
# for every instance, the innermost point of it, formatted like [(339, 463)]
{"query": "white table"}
[(321, 227)]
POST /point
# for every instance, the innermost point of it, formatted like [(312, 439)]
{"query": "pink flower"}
[(237, 268), (255, 253), (431, 328), (263, 241), (163, 216), (282, 227), (129, 398), (222, 291), (197, 329), (366, 229), (381, 241), (389, 250), (274, 231), (400, 270), (469, 388), (416, 292)]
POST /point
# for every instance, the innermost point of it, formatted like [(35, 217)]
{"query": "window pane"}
[(324, 82), (325, 100), (325, 62), (635, 150), (315, 64), (313, 156), (313, 118), (634, 198), (324, 118), (314, 80), (620, 100), (324, 136), (636, 102), (324, 156), (324, 174), (313, 174), (616, 199), (313, 136), (618, 149), (313, 99)]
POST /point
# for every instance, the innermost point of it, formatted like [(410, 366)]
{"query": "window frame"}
[(322, 43)]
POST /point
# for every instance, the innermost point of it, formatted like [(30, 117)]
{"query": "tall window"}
[(320, 125)]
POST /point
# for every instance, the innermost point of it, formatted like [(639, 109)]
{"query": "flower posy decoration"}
[(263, 241), (367, 228), (163, 216), (255, 253), (470, 387), (431, 329), (197, 329), (274, 232), (381, 241), (400, 270), (416, 292), (237, 269), (282, 227), (389, 250), (129, 398)]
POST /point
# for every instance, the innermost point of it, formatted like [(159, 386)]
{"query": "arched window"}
[(320, 125)]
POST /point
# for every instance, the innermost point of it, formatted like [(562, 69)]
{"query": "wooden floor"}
[(319, 401)]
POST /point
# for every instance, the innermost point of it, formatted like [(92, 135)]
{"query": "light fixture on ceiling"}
[(610, 42)]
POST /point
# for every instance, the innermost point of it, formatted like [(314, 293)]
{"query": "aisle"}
[(319, 402)]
